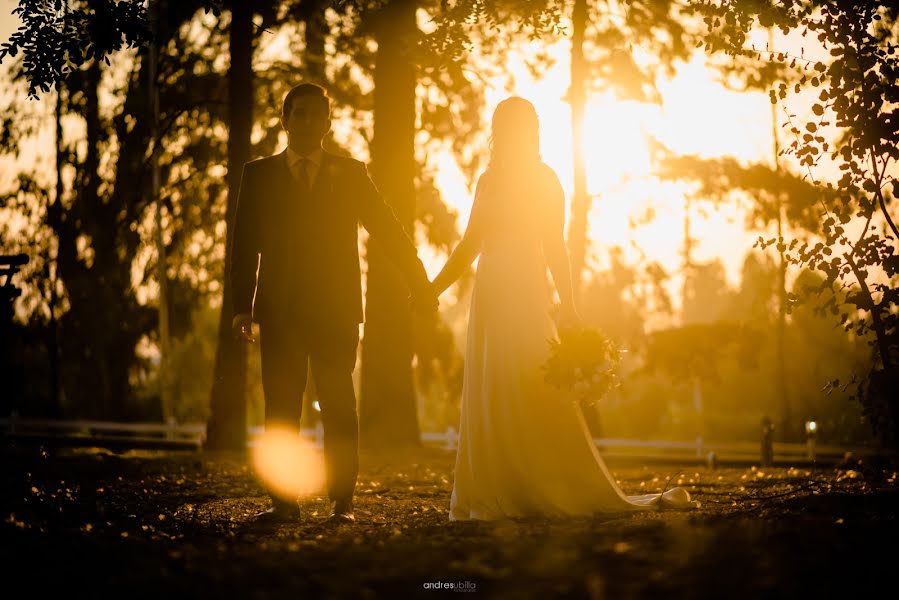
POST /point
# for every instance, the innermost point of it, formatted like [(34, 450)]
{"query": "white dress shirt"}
[(312, 164)]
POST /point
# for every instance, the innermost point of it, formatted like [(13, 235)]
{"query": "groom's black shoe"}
[(281, 511), (341, 512)]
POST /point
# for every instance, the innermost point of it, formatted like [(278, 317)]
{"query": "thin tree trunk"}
[(580, 202), (577, 97), (388, 408), (687, 315), (313, 15), (104, 398), (52, 215), (165, 344), (227, 427), (786, 414)]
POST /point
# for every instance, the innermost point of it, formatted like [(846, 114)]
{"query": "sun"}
[(615, 145)]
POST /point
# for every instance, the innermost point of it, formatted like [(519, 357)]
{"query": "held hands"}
[(242, 327), (424, 300)]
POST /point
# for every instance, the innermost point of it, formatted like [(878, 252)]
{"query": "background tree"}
[(604, 36), (387, 396), (858, 92), (227, 426), (192, 100), (748, 73), (772, 195), (91, 226)]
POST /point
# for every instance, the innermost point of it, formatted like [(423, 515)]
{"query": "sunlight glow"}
[(614, 142), (632, 208), (288, 465)]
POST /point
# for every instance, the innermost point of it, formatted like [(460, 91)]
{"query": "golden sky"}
[(8, 23)]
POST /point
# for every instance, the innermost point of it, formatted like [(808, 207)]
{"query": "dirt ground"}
[(91, 523)]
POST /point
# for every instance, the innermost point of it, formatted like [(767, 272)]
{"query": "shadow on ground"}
[(152, 524)]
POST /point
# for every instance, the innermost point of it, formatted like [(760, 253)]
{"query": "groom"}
[(295, 270)]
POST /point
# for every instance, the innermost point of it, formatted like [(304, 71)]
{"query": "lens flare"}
[(288, 465)]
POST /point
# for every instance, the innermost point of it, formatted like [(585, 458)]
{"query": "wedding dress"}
[(524, 446)]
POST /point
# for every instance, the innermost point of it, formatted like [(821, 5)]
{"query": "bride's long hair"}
[(515, 134)]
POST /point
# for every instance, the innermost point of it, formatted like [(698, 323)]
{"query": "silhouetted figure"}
[(524, 447), (297, 222)]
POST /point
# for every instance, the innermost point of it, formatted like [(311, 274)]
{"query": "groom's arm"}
[(246, 243), (386, 230)]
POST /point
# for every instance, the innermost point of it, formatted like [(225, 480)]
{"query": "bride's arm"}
[(461, 258), (466, 250), (556, 252), (560, 267)]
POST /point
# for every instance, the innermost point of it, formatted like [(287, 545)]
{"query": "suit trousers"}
[(288, 353)]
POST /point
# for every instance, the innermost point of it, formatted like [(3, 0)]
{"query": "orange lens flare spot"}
[(288, 465)]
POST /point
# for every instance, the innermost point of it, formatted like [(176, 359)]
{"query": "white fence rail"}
[(192, 436)]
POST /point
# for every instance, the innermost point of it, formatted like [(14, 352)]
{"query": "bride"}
[(524, 450)]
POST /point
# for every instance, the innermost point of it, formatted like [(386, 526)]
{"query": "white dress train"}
[(524, 448)]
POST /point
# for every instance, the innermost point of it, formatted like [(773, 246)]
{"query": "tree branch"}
[(879, 329), (879, 192)]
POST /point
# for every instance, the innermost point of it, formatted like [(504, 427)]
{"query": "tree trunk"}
[(388, 411), (52, 215), (787, 429), (89, 333), (227, 427), (580, 202), (577, 97), (313, 14)]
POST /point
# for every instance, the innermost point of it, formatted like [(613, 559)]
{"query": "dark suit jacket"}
[(305, 244)]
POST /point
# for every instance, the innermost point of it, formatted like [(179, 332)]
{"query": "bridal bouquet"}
[(584, 361)]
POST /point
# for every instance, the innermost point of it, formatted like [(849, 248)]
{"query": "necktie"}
[(303, 172)]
